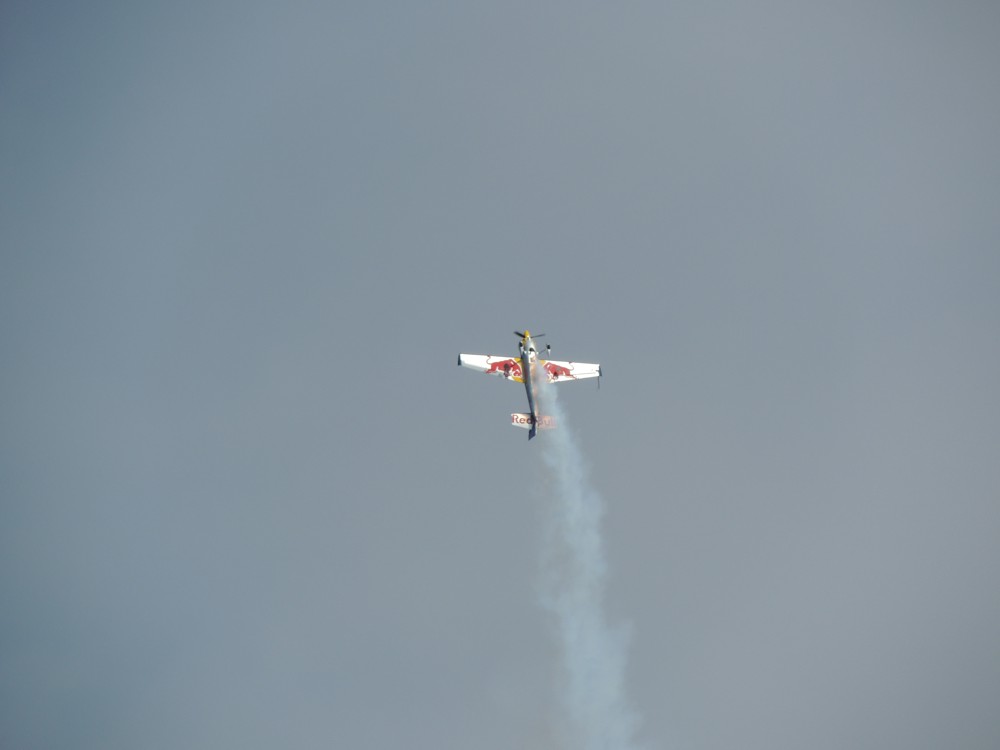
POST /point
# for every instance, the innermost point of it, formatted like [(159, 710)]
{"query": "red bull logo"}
[(544, 422), (557, 372), (509, 368)]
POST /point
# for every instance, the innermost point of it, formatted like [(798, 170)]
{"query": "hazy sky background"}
[(247, 499)]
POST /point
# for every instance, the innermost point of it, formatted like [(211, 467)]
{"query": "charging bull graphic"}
[(558, 372), (509, 368)]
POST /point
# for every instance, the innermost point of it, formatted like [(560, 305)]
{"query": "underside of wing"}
[(505, 367), (560, 372)]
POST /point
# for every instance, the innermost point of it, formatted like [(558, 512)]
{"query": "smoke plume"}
[(596, 714)]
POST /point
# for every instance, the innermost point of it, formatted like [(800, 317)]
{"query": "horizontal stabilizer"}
[(525, 421)]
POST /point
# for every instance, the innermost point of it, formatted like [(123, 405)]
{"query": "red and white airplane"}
[(527, 368)]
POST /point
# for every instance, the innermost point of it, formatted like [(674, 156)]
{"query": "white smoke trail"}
[(598, 716)]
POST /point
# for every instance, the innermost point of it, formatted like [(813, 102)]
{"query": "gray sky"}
[(249, 501)]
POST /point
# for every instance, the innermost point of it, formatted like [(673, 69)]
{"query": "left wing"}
[(505, 367), (560, 372)]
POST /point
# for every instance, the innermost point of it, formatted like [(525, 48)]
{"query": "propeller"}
[(522, 334)]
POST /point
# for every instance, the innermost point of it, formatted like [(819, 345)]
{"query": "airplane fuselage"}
[(527, 366), (528, 356)]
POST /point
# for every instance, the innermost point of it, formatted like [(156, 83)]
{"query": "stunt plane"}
[(526, 369)]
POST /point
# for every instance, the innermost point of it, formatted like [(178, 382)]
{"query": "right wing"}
[(505, 367), (560, 372)]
